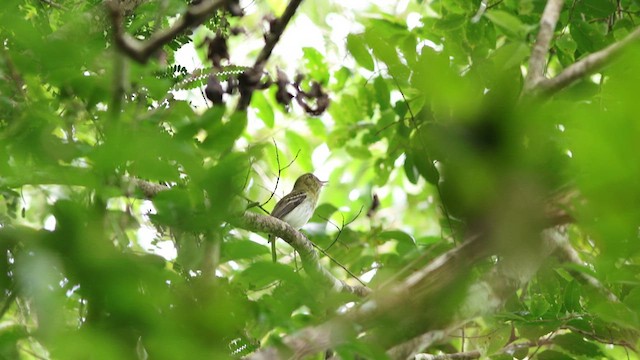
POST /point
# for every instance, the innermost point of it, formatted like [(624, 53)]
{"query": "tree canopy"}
[(481, 159)]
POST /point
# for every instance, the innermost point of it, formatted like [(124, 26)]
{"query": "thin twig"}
[(339, 264), (343, 226), (280, 169)]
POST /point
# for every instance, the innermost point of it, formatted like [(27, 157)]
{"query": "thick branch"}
[(426, 301), (262, 223), (310, 260), (141, 51), (537, 62), (403, 305), (587, 65)]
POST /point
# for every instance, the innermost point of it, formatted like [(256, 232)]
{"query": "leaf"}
[(315, 64), (596, 9), (576, 344), (617, 313), (323, 212), (263, 273), (405, 242), (355, 45), (508, 23), (263, 109), (410, 170), (382, 93), (566, 43), (587, 36), (378, 41), (242, 249), (221, 137), (511, 55), (426, 168), (553, 355), (450, 22), (538, 305)]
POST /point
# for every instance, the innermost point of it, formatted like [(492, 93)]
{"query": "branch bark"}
[(262, 223), (476, 354), (538, 62), (252, 76), (142, 51), (587, 65), (402, 305), (310, 259)]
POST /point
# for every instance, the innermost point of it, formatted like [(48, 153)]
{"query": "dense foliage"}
[(481, 158)]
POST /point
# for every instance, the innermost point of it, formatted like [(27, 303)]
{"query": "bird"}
[(297, 207)]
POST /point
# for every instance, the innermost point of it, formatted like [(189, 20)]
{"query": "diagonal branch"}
[(142, 51), (537, 62), (310, 259), (587, 65), (263, 223), (250, 79)]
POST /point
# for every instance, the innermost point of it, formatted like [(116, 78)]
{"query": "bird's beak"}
[(323, 183)]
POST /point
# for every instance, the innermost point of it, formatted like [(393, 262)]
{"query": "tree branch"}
[(402, 304), (251, 77), (476, 354), (587, 65), (310, 260), (269, 224), (425, 302), (537, 61), (141, 51)]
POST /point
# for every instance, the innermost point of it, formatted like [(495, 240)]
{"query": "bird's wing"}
[(288, 203)]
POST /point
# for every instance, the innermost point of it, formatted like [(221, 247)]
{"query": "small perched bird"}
[(297, 207)]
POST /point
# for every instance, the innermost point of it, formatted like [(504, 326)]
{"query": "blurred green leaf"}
[(242, 249), (576, 344), (355, 45)]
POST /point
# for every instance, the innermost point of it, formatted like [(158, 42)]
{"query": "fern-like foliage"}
[(242, 346), (199, 76)]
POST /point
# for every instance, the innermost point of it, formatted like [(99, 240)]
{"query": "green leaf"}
[(405, 242), (323, 212), (410, 170), (508, 23), (553, 355), (595, 9), (315, 65), (511, 55), (357, 48), (296, 142), (222, 136), (576, 344), (450, 22), (587, 36), (263, 273), (263, 109), (242, 249), (426, 168), (566, 43), (538, 305)]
